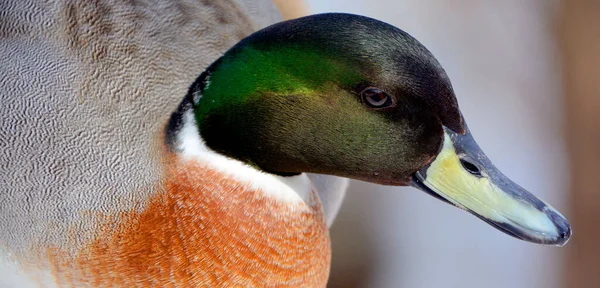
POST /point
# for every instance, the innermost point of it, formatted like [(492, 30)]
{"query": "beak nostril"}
[(470, 167), (563, 235)]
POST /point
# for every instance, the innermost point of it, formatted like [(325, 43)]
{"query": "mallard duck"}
[(333, 94)]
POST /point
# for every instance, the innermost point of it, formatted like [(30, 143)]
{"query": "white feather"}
[(293, 189)]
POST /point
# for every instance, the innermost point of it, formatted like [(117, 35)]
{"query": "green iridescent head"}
[(291, 99), (351, 96)]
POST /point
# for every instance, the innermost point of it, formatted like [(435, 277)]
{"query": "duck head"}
[(351, 96)]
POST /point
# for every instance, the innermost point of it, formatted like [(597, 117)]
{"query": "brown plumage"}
[(206, 229)]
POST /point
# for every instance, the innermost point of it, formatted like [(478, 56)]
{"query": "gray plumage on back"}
[(86, 88)]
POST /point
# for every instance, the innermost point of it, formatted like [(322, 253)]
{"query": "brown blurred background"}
[(526, 76)]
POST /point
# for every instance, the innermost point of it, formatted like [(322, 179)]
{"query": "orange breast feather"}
[(205, 230)]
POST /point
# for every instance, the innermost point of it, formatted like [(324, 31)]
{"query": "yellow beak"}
[(462, 175)]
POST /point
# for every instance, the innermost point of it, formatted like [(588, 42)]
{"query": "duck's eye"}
[(470, 167), (375, 98)]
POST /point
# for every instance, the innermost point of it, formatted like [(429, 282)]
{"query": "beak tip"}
[(562, 226), (563, 238)]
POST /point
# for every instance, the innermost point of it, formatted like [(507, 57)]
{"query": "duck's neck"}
[(252, 228), (183, 138)]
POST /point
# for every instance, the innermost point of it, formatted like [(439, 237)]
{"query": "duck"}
[(222, 189)]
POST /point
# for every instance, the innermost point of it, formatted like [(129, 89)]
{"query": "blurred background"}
[(524, 73)]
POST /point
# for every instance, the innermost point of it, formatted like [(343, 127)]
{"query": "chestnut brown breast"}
[(206, 229)]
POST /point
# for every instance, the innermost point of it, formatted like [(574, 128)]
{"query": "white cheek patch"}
[(293, 189)]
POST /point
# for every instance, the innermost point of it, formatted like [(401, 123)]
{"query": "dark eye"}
[(375, 98), (470, 167)]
